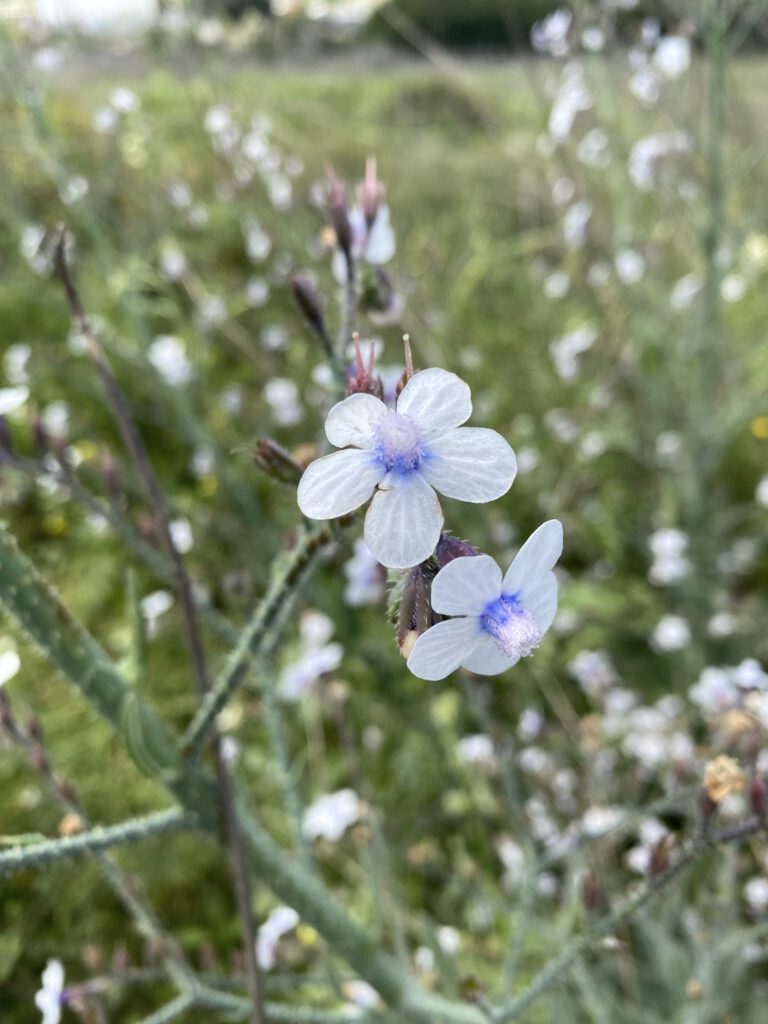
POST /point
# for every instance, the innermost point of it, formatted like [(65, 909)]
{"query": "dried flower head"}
[(723, 776)]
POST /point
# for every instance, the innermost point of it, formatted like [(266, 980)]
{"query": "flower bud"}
[(274, 460), (659, 861), (449, 547), (758, 796), (307, 299), (411, 608), (361, 378), (337, 207), (370, 192), (6, 438), (591, 892)]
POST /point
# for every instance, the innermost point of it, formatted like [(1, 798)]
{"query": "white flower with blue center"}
[(50, 996), (401, 456), (499, 620)]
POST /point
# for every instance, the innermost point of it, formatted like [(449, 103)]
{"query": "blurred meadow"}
[(582, 236)]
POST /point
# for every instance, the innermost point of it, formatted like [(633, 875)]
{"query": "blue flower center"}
[(398, 443), (513, 629)]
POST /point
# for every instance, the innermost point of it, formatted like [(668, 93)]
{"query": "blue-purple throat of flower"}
[(512, 628), (398, 444)]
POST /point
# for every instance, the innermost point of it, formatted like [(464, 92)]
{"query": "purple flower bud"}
[(413, 612), (758, 796), (361, 378), (274, 460), (337, 207), (370, 192), (449, 547), (307, 299)]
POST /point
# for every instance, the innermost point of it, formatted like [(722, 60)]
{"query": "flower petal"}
[(539, 599), (380, 241), (470, 463), (353, 421), (488, 659), (403, 523), (444, 647), (436, 400), (466, 585), (536, 557), (337, 484)]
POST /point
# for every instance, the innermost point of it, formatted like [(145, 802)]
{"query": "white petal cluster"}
[(401, 457), (280, 921), (498, 620), (373, 244), (49, 997), (330, 816)]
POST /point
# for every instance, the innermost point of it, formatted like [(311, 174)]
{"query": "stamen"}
[(408, 357), (512, 628), (399, 444)]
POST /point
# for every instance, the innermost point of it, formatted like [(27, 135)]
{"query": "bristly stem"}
[(102, 837), (160, 511), (288, 576), (557, 968)]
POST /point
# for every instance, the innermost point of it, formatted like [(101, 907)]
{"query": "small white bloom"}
[(761, 492), (282, 396), (449, 940), (477, 749), (181, 535), (401, 457), (330, 816), (756, 895), (685, 291), (168, 355), (597, 821), (12, 399), (672, 633), (105, 120), (375, 244), (50, 996), (124, 100), (499, 620), (360, 993), (10, 663), (630, 266), (365, 584), (672, 56), (281, 920)]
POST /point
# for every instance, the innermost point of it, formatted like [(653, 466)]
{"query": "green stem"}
[(557, 968), (255, 637), (99, 838), (171, 1011)]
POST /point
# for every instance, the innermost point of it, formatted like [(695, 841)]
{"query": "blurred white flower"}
[(124, 100), (551, 34), (330, 816), (173, 262), (672, 633), (49, 998), (645, 86), (715, 690), (73, 189), (476, 749), (10, 663), (565, 351), (756, 895), (317, 657), (153, 606), (168, 355), (733, 287), (181, 535), (575, 222), (180, 195), (761, 492), (593, 671), (282, 397), (258, 244), (596, 821), (280, 921), (448, 939), (556, 284), (401, 457), (105, 120), (13, 399), (593, 39), (274, 337), (572, 97), (684, 292), (630, 265), (374, 243), (648, 154), (365, 583), (670, 562), (672, 56), (593, 149), (360, 993), (499, 620), (211, 311), (256, 291)]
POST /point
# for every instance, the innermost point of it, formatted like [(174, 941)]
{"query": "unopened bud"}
[(71, 825), (758, 796), (337, 207), (360, 377), (6, 438), (412, 610), (449, 547), (659, 861), (370, 192), (591, 892), (307, 299), (274, 460)]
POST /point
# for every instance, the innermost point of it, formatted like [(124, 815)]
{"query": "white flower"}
[(168, 355), (761, 492), (476, 749), (330, 816), (499, 620), (630, 266), (672, 56), (124, 100), (402, 456), (281, 920), (317, 657), (360, 993), (365, 584), (375, 244), (49, 997), (672, 633), (10, 663), (12, 399)]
